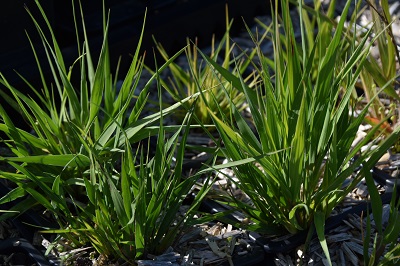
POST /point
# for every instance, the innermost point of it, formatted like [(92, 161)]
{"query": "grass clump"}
[(198, 78), (83, 161), (295, 166)]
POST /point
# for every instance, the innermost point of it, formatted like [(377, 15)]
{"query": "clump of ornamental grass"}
[(77, 161), (183, 81), (295, 165)]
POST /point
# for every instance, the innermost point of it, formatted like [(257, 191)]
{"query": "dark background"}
[(169, 21)]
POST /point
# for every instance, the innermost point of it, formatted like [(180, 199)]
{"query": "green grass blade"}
[(319, 220), (376, 201), (70, 160)]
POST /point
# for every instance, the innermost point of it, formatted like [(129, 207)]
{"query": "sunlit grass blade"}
[(56, 160)]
